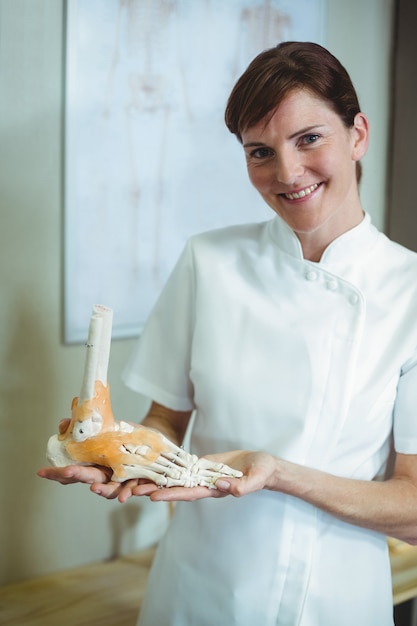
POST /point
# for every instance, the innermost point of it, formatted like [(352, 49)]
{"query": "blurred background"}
[(45, 527)]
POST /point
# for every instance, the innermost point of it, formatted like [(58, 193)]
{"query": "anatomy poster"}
[(148, 159)]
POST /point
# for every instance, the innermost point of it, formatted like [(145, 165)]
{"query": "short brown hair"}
[(275, 72)]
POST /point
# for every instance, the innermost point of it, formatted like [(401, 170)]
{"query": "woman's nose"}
[(289, 168)]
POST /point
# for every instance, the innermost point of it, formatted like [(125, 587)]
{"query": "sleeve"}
[(160, 364), (405, 410)]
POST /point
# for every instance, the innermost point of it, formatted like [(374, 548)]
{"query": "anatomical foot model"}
[(93, 437)]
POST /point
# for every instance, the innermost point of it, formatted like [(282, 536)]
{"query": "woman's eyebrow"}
[(307, 129), (254, 144)]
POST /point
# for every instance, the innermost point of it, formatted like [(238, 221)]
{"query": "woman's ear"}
[(360, 131)]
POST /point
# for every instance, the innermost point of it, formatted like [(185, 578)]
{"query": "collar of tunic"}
[(341, 252)]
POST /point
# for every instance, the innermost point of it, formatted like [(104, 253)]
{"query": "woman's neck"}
[(315, 243)]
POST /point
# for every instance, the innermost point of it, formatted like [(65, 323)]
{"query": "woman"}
[(296, 338)]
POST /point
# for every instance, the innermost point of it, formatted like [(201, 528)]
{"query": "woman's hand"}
[(258, 471), (99, 479), (71, 474)]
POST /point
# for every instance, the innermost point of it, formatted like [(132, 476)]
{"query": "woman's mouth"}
[(303, 193)]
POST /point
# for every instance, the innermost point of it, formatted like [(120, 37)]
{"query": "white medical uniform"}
[(312, 362)]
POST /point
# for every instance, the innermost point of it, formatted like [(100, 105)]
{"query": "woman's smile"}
[(301, 194)]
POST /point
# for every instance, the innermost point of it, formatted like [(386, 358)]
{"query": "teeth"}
[(301, 194)]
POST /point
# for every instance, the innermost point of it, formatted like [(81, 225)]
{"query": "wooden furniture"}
[(103, 594), (110, 593), (404, 570)]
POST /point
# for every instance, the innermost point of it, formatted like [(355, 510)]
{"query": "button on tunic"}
[(312, 362)]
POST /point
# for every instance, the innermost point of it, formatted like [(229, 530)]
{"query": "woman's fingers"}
[(71, 474)]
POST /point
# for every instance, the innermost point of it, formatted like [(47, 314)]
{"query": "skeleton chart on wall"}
[(148, 160)]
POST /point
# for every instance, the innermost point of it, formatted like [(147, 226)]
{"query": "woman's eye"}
[(308, 139), (260, 153)]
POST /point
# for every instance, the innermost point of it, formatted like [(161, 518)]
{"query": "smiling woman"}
[(282, 339)]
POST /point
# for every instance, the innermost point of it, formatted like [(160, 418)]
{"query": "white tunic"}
[(313, 362)]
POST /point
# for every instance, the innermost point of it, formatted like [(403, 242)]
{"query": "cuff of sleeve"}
[(138, 384), (405, 445)]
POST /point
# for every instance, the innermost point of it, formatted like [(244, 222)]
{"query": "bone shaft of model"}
[(105, 341), (91, 358)]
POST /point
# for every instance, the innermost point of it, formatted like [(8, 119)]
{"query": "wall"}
[(43, 526), (402, 205), (360, 35)]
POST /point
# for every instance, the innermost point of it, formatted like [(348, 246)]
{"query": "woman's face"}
[(303, 163)]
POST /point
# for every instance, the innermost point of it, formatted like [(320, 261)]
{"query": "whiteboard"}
[(148, 159)]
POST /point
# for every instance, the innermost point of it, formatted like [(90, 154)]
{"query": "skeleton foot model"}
[(93, 437)]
